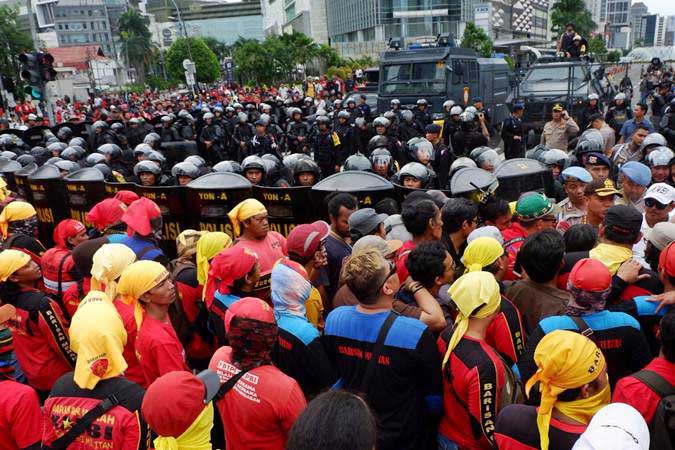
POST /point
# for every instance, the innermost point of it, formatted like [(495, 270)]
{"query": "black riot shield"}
[(368, 187), (49, 199), (472, 180), (402, 192), (171, 201), (84, 188), (21, 182), (211, 196), (286, 207), (520, 175), (14, 131), (113, 188), (35, 135), (177, 151), (7, 169)]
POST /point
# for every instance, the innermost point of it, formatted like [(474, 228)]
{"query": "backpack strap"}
[(655, 382), (584, 329), (59, 293), (229, 384), (84, 422), (144, 251), (377, 350)]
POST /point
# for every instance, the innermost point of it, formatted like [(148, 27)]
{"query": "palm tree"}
[(137, 45)]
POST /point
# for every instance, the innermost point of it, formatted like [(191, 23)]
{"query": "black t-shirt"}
[(337, 250), (405, 388), (517, 430)]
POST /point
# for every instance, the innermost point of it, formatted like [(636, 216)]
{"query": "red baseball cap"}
[(667, 259), (590, 275), (305, 239), (249, 308)]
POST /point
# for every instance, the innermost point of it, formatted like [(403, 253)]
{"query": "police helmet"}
[(104, 169), (322, 120), (351, 100), (584, 147), (25, 160), (8, 154), (238, 106), (293, 111), (253, 162), (422, 102), (306, 165), (242, 117), (264, 107), (265, 119), (414, 170), (337, 103), (448, 104), (40, 154), (113, 150), (660, 156), (654, 140), (456, 110), (536, 152), (227, 166), (593, 96), (53, 160), (152, 139), (291, 160), (378, 142), (57, 147), (344, 115), (134, 121), (229, 109), (71, 154), (117, 126), (185, 169), (308, 100), (7, 140), (218, 109), (156, 157), (95, 158), (147, 166), (467, 116), (208, 115), (67, 166), (407, 115), (183, 114), (250, 106), (77, 141), (471, 109), (321, 112), (360, 122), (64, 133), (390, 116), (419, 148), (99, 124), (357, 162), (395, 102), (487, 157), (166, 119), (555, 157), (381, 122), (380, 157), (620, 96)]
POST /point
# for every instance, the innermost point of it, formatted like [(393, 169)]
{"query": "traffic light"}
[(47, 72), (30, 71)]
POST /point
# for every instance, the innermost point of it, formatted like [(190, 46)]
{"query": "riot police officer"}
[(660, 102), (618, 114), (422, 114), (306, 173), (117, 130), (113, 158), (395, 105), (168, 132), (345, 133), (101, 134), (297, 132), (147, 173), (381, 160), (212, 138), (262, 142), (184, 172), (185, 126), (409, 127), (241, 138), (275, 130), (353, 111), (254, 169), (135, 132), (512, 133), (364, 108), (468, 137), (325, 146), (668, 124), (362, 134), (414, 175), (451, 125)]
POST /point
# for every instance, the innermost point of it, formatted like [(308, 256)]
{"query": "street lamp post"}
[(182, 24)]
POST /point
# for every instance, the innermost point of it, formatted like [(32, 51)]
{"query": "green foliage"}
[(574, 11), (157, 82), (614, 56), (221, 49), (596, 45), (475, 38), (207, 67), (329, 55), (13, 41), (137, 46)]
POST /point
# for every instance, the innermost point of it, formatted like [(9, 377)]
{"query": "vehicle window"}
[(428, 71), (398, 72), (554, 74), (414, 88), (458, 69)]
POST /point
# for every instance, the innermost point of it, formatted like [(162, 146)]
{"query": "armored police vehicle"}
[(439, 73), (550, 81)]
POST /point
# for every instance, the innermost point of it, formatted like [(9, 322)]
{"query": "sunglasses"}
[(651, 203), (392, 271)]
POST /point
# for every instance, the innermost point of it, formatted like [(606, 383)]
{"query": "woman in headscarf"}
[(572, 380), (58, 269), (252, 332), (108, 263), (506, 333), (98, 337), (83, 256), (298, 352), (147, 286), (144, 230), (39, 327), (106, 217), (232, 274), (472, 370), (178, 408), (19, 229)]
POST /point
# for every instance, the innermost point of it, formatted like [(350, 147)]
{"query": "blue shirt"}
[(629, 127)]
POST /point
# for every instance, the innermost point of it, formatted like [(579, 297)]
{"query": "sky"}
[(663, 7)]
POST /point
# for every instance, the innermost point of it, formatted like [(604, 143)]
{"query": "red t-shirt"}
[(269, 251), (514, 236), (158, 349), (72, 299), (20, 416), (258, 412), (402, 257), (634, 392), (134, 372)]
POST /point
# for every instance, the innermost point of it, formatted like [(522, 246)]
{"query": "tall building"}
[(287, 16), (617, 23), (636, 12), (83, 22), (670, 31)]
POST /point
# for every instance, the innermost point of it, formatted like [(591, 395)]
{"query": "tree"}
[(14, 41), (614, 56), (221, 49), (206, 63), (596, 45), (574, 11), (137, 46), (329, 55), (475, 37)]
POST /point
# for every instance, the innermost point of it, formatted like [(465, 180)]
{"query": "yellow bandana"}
[(208, 246), (15, 211), (10, 262), (611, 255), (481, 252), (108, 263), (245, 210), (197, 437), (136, 280)]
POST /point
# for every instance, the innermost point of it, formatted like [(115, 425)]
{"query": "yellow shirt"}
[(314, 309)]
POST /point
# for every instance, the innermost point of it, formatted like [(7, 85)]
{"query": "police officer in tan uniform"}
[(558, 131)]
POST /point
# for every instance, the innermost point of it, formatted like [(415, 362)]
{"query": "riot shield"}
[(113, 188), (211, 196), (286, 207), (14, 131), (7, 169), (84, 189), (471, 180), (35, 135), (402, 192), (21, 182), (171, 201), (368, 187), (49, 199), (177, 151), (520, 175), (79, 129)]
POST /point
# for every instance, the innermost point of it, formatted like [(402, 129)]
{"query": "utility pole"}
[(36, 47)]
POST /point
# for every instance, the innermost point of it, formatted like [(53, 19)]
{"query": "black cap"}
[(432, 128), (623, 220)]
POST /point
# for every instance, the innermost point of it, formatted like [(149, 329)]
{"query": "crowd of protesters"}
[(437, 322)]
